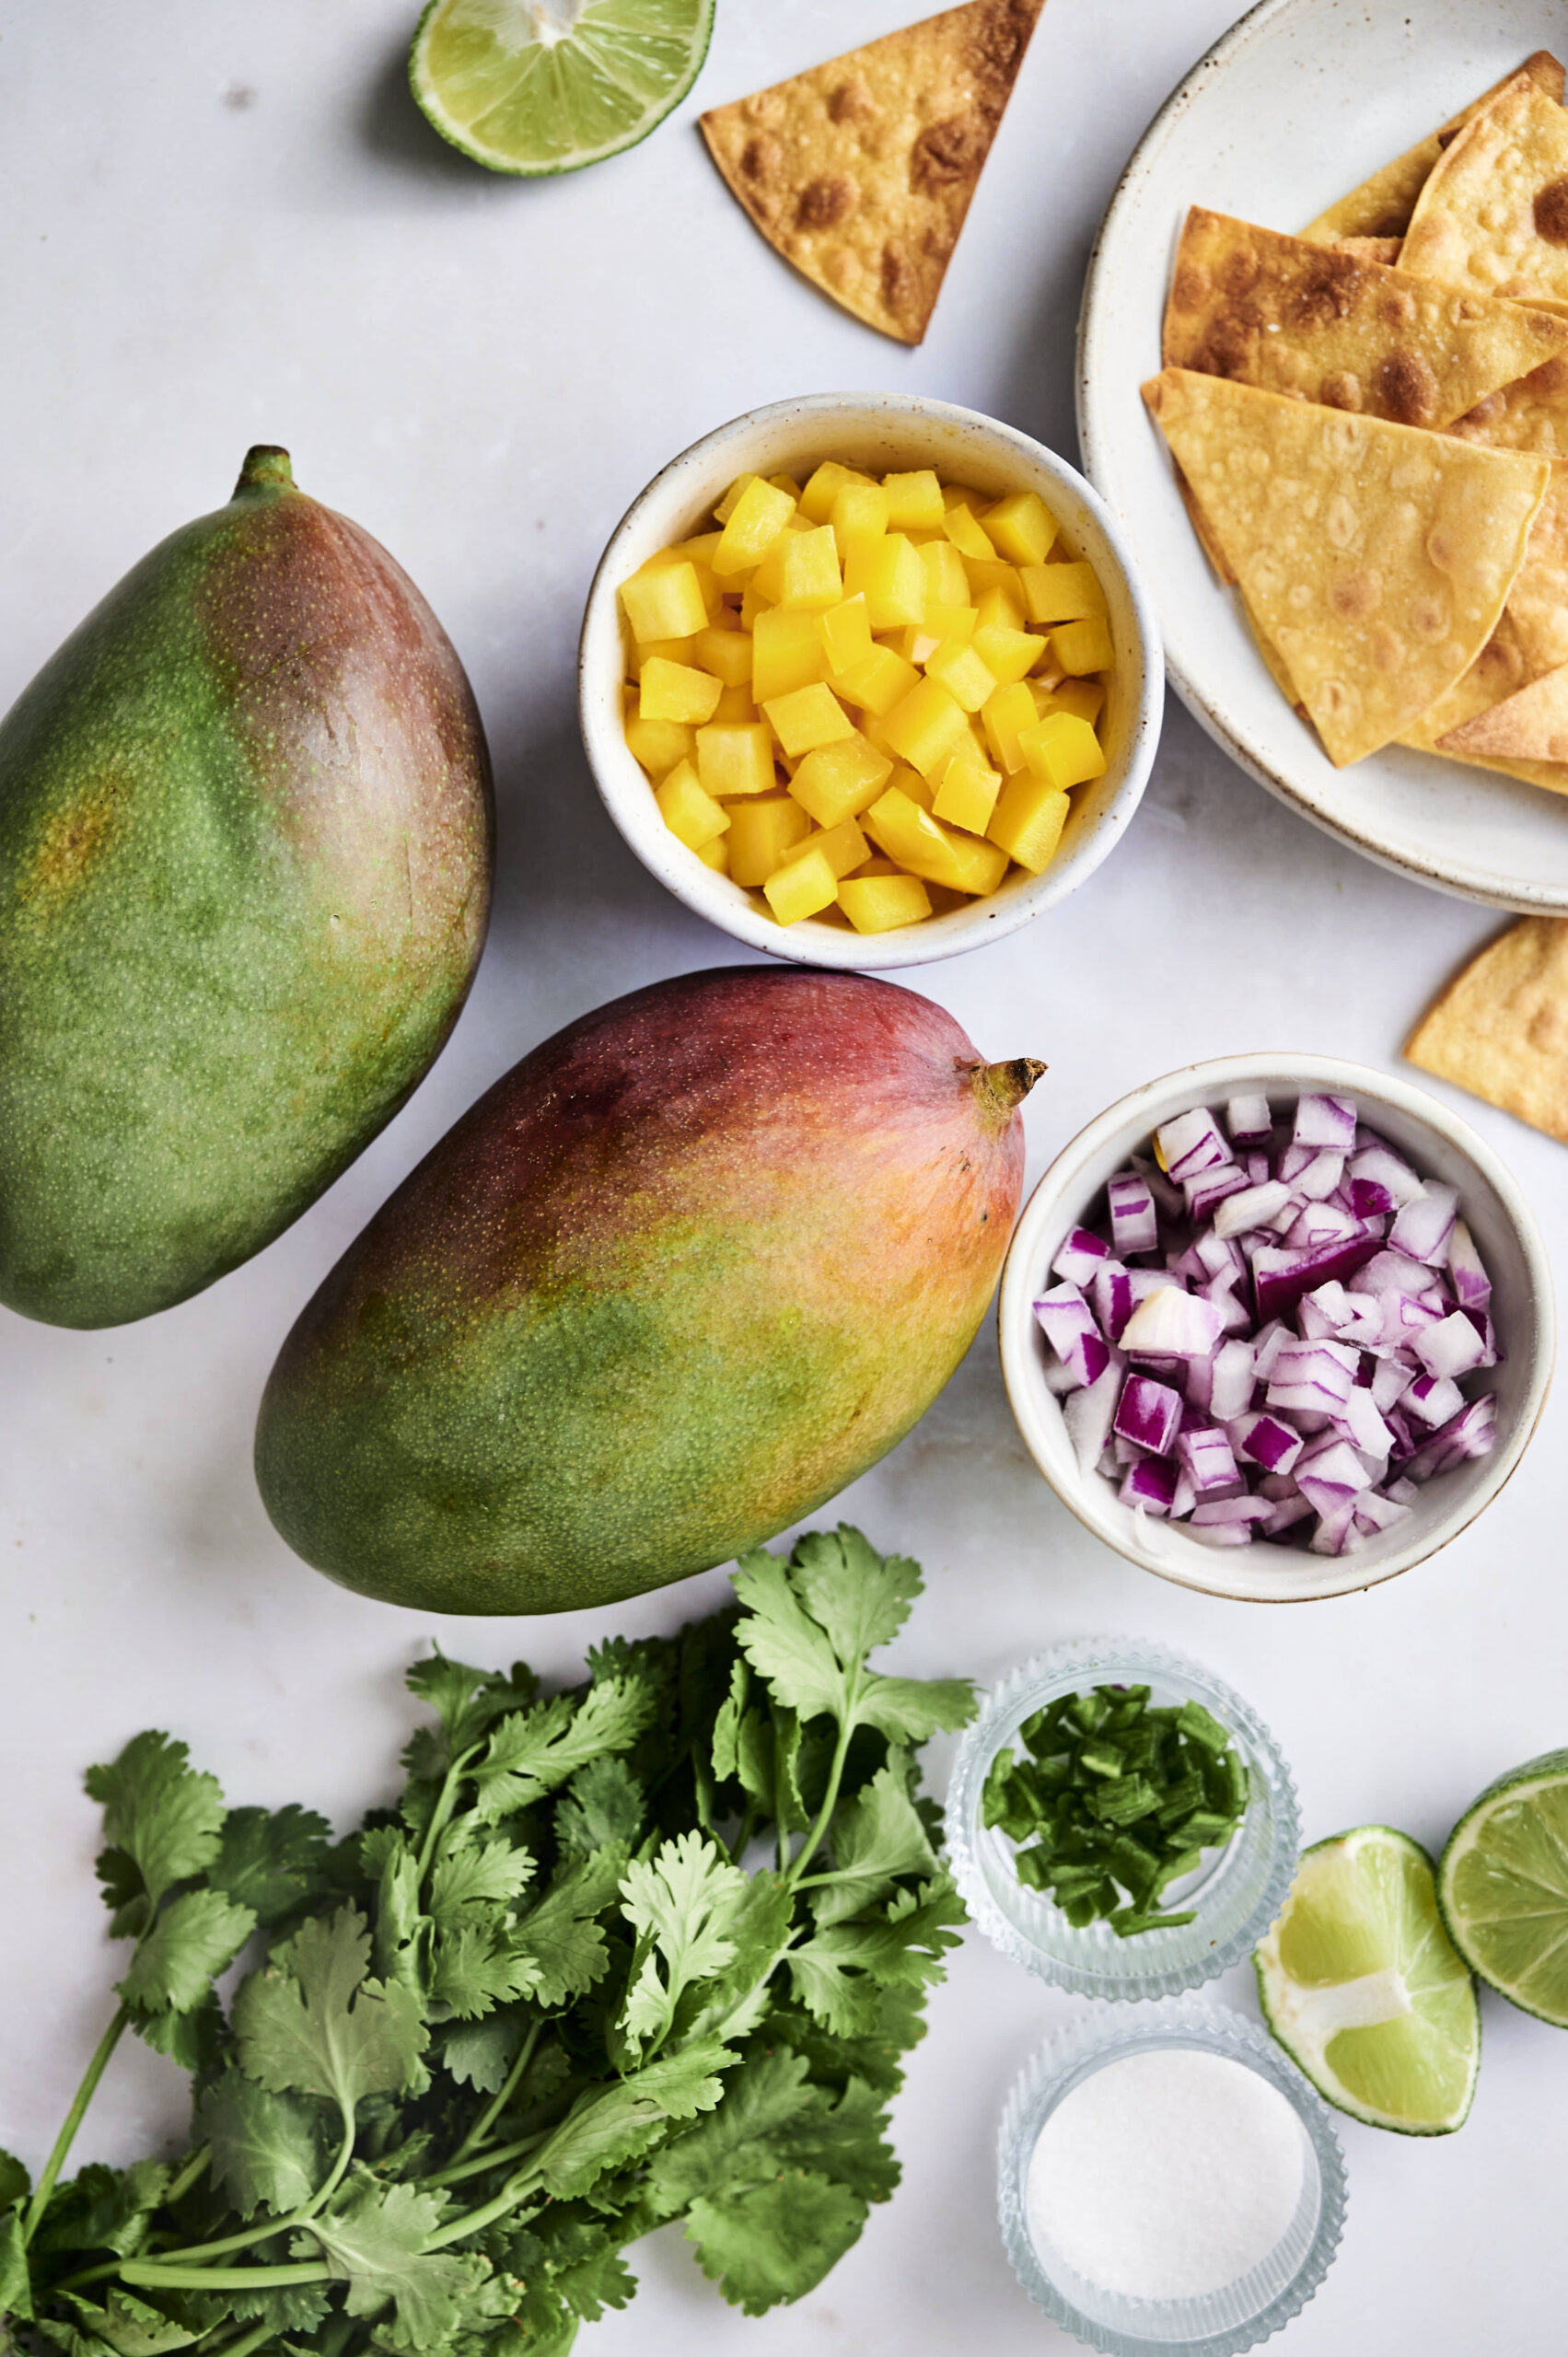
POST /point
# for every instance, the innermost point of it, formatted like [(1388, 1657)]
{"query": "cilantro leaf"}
[(465, 1702), (104, 2208), (725, 1747), (603, 1803), (529, 1753), (311, 2021), (197, 1936), (776, 2241), (270, 1860), (861, 1599), (161, 1823), (373, 2240), (480, 2054), (733, 2002), (475, 1969), (847, 2141), (560, 1939), (16, 2279), (475, 1871), (783, 1643), (15, 2182), (876, 1836), (129, 2326), (266, 2147), (604, 2130), (905, 1945), (680, 1903), (736, 2145)]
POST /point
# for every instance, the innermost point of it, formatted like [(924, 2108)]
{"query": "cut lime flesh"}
[(1362, 1987), (1502, 1887), (540, 86)]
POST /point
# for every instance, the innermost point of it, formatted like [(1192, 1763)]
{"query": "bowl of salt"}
[(1174, 2185)]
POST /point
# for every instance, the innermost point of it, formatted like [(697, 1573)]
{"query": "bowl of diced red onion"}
[(1277, 1328)]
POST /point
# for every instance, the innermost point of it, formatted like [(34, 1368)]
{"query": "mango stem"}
[(266, 468), (1000, 1089)]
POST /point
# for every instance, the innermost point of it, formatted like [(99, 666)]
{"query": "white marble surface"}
[(223, 225)]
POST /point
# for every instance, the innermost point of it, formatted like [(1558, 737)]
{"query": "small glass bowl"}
[(1238, 1892), (1214, 2324)]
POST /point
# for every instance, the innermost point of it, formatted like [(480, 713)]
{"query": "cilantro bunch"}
[(649, 1949)]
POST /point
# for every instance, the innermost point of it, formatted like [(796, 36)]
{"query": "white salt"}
[(1165, 2174)]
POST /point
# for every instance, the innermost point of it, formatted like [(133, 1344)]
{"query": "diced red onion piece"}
[(1331, 1472), (1212, 1187), (1286, 1511), (1230, 1388), (1206, 1455), (1375, 1512), (1313, 1376), (1149, 1485), (1320, 1178), (1172, 1324), (1336, 1533), (1186, 1497), (1435, 1398), (1133, 1225), (1211, 1514), (1471, 1433), (1251, 1207), (1170, 1202), (1422, 1228), (1248, 1120), (1472, 1287), (1111, 1292), (1325, 1121), (1148, 1414), (1366, 1424), (1191, 1143), (1280, 1276), (1317, 1225), (1081, 1254), (1325, 1310), (1217, 1258), (1088, 1416), (1266, 1440), (1451, 1347), (1378, 1166)]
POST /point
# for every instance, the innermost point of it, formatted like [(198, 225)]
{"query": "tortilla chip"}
[(1501, 1029), (1381, 207), (860, 171), (1199, 524), (1493, 216), (1531, 725), (1376, 557), (1538, 602), (1531, 415), (1383, 250), (1298, 317)]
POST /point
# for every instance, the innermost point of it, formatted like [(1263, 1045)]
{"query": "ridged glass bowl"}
[(1214, 2324), (1237, 1892)]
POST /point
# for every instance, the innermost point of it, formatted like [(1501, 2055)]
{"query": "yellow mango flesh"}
[(840, 779), (1063, 749), (676, 691), (1028, 821), (802, 887), (883, 903), (687, 811), (759, 834), (1082, 646), (806, 718)]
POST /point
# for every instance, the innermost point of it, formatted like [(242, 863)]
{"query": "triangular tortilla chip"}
[(1493, 215), (1531, 725), (1497, 673), (1501, 1029), (860, 171), (1298, 317), (1531, 415), (1381, 207), (1376, 557)]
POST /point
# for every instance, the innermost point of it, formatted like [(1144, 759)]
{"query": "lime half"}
[(1502, 1887), (1360, 1986), (548, 86)]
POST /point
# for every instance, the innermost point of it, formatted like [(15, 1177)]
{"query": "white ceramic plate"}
[(1296, 105)]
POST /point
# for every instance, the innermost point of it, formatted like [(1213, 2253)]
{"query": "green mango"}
[(246, 844), (697, 1262)]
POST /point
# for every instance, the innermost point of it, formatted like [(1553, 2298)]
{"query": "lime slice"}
[(548, 86), (1502, 1887), (1360, 1984)]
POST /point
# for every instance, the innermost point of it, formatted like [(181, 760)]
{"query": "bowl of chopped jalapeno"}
[(1119, 1822)]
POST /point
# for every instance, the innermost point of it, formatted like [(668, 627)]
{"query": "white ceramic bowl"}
[(1439, 1146), (878, 432)]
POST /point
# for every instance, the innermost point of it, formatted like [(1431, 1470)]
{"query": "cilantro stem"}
[(244, 2343), (196, 2254), (440, 1816), (454, 2170), (188, 2176), (74, 2118), (493, 2111), (829, 1799), (152, 2276), (515, 2189)]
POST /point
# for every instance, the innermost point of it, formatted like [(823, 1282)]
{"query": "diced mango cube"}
[(882, 903), (716, 854), (914, 501), (1021, 526), (673, 650), (735, 704), (953, 623), (1009, 711), (755, 522), (889, 575), (822, 488), (966, 534), (663, 601), (735, 758), (1060, 593), (983, 573), (727, 653), (1008, 654), (675, 692), (844, 847), (731, 500), (1028, 821), (846, 633), (921, 843), (838, 781), (801, 570), (962, 672), (687, 811), (807, 717), (924, 726), (999, 609), (786, 482), (659, 744), (966, 795), (786, 653), (802, 887), (759, 834), (859, 513), (1083, 697), (877, 681), (1063, 749), (1082, 646), (946, 581)]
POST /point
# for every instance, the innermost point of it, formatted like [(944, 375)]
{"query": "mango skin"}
[(246, 842), (685, 1270)]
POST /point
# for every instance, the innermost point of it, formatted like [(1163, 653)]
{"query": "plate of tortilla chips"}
[(1323, 382)]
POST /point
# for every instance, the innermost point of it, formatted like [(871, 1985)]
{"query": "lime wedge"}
[(1360, 1985), (548, 86), (1502, 1887)]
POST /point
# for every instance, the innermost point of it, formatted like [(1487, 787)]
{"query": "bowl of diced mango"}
[(866, 679)]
